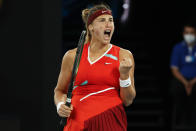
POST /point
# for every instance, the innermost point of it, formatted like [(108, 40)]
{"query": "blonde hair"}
[(85, 15)]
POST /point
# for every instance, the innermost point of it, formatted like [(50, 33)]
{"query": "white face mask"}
[(189, 38)]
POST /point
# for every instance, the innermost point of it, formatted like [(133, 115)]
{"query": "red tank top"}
[(103, 72), (96, 93)]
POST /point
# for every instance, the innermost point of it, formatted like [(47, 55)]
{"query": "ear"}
[(90, 27)]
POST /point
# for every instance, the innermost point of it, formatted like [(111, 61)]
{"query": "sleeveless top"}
[(96, 101)]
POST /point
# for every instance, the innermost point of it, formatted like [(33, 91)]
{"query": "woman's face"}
[(102, 28)]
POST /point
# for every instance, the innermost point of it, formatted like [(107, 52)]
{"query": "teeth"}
[(107, 31)]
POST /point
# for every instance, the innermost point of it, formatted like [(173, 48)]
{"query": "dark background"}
[(35, 34)]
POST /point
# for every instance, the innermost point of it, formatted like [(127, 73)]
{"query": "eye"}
[(111, 20), (102, 20)]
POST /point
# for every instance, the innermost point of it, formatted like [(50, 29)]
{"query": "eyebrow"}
[(105, 18)]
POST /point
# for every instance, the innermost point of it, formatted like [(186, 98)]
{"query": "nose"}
[(108, 23)]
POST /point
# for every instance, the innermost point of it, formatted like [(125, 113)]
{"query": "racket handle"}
[(64, 120)]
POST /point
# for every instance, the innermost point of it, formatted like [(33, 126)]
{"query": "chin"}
[(106, 42)]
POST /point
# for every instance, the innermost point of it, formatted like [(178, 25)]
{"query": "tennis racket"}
[(74, 72)]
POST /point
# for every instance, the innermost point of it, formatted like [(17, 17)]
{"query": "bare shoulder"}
[(124, 53), (69, 56)]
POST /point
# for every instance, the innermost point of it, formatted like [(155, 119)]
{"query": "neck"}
[(191, 45), (96, 46)]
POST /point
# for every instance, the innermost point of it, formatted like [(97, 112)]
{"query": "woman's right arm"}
[(60, 92)]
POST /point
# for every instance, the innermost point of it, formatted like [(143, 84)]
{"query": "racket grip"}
[(64, 120)]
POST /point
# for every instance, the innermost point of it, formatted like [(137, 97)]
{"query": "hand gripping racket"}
[(74, 72)]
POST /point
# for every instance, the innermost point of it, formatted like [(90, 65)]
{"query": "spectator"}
[(183, 67)]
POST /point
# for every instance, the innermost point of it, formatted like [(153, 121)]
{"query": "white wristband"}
[(59, 105), (125, 83)]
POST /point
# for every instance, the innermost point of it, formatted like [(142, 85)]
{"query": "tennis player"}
[(104, 82)]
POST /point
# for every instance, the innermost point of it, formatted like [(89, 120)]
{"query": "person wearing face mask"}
[(183, 68), (104, 82)]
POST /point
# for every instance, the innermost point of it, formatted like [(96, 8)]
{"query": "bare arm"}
[(178, 75), (126, 70), (187, 85), (193, 81), (60, 92)]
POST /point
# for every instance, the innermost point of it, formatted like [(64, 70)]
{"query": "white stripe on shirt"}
[(96, 93)]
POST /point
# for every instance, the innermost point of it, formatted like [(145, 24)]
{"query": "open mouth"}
[(107, 32)]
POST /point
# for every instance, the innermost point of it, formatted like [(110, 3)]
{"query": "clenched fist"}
[(65, 111), (125, 67)]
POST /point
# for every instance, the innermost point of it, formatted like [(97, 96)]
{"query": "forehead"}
[(106, 16), (189, 28)]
